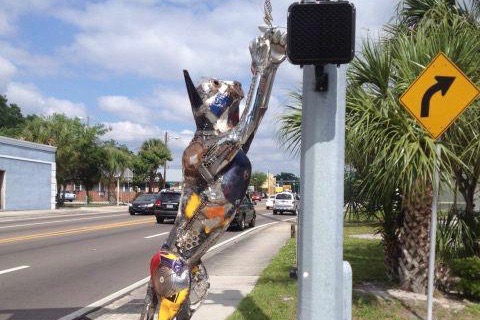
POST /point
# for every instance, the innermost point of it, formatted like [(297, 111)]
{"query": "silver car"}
[(285, 202)]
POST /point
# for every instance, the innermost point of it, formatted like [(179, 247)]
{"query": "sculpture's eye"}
[(216, 83)]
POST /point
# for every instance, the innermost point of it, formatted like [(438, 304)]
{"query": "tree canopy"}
[(257, 179), (152, 155)]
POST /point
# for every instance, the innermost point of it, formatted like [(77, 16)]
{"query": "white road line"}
[(101, 302), (57, 221), (115, 295), (156, 235), (13, 269)]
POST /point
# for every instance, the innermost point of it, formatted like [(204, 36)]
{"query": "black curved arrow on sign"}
[(443, 84)]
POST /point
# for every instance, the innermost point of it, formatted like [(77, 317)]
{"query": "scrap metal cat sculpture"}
[(216, 176)]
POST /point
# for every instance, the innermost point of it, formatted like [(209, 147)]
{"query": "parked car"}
[(144, 203), (285, 202), (270, 202), (256, 196), (166, 207), (245, 215), (66, 196)]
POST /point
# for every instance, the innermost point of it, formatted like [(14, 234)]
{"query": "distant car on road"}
[(256, 196), (270, 202), (166, 207), (245, 215), (285, 202), (66, 196), (70, 196), (144, 203)]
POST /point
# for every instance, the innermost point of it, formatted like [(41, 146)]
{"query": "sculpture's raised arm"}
[(267, 51)]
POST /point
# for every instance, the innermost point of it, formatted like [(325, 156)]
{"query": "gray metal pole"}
[(165, 165), (320, 242), (433, 235)]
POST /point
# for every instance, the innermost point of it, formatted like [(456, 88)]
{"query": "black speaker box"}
[(321, 33)]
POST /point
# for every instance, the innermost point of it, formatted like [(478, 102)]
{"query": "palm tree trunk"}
[(111, 192), (151, 182), (414, 241)]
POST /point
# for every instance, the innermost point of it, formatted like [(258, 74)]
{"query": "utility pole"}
[(165, 165)]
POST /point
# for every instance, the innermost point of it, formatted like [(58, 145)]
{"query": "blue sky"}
[(120, 63)]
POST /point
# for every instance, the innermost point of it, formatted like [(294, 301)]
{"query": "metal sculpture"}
[(216, 176)]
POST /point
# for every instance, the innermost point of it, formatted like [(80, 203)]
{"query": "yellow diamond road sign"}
[(439, 95)]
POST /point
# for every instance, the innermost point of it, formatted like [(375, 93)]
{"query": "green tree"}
[(117, 159), (289, 134), (389, 151), (258, 179), (387, 146), (153, 154), (287, 178), (78, 155), (11, 118)]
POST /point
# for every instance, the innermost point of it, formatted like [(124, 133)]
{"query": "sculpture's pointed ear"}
[(195, 99)]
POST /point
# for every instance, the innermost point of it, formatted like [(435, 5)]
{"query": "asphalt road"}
[(52, 266)]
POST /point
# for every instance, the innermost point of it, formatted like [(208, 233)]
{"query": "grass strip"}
[(275, 294)]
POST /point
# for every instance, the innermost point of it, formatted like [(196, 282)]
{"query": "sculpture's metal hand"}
[(268, 49)]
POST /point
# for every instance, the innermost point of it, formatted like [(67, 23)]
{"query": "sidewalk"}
[(38, 213), (233, 271)]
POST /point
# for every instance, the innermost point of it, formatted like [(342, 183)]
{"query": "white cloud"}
[(29, 63), (5, 25), (170, 105), (11, 10), (32, 101), (159, 41), (134, 134), (127, 131), (124, 107), (7, 70)]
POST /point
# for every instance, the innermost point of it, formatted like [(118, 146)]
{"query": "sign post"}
[(321, 38), (435, 99), (320, 239)]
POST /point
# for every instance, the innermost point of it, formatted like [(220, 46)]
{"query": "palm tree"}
[(390, 152), (403, 155), (289, 134), (117, 159), (153, 154)]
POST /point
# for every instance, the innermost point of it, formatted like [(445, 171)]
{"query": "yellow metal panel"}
[(439, 95)]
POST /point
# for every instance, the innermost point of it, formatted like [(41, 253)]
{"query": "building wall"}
[(29, 180)]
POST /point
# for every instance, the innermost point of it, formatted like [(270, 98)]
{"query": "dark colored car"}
[(144, 203), (167, 205), (245, 215), (257, 196)]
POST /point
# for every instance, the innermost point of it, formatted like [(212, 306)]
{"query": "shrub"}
[(468, 270)]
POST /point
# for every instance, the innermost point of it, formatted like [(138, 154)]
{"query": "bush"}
[(468, 270)]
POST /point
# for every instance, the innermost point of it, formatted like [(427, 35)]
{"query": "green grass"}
[(365, 257), (275, 295)]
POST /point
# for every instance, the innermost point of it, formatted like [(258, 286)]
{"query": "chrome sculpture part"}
[(267, 9), (216, 176)]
